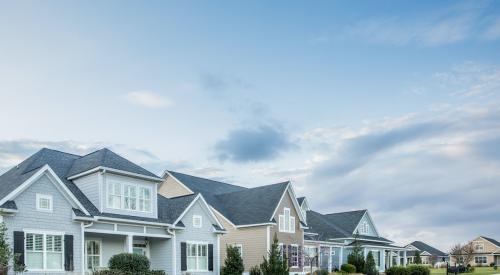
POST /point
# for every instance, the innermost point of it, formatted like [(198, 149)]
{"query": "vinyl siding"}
[(204, 234), (160, 254), (89, 185), (170, 188), (371, 230), (253, 240), (60, 219)]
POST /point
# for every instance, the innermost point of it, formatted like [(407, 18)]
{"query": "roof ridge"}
[(59, 151), (218, 181), (252, 188), (343, 212)]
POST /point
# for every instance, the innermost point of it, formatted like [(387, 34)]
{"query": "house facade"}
[(428, 254), (486, 252), (70, 214), (251, 216)]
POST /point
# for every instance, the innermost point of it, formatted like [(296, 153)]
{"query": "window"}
[(239, 247), (364, 228), (286, 222), (93, 254), (44, 202), (197, 221), (44, 252), (310, 253), (480, 259), (197, 257), (141, 249), (129, 197), (294, 256), (478, 246)]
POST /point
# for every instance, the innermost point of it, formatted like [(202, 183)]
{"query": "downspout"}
[(82, 227), (174, 250)]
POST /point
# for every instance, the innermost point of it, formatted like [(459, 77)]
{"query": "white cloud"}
[(148, 99)]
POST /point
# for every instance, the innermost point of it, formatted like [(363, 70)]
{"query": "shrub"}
[(397, 270), (418, 270), (320, 272), (348, 268), (129, 262), (495, 267), (492, 264), (255, 270), (233, 265), (274, 264), (119, 272), (370, 267)]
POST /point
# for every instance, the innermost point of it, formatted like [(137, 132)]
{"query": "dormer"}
[(115, 185), (366, 227), (304, 206)]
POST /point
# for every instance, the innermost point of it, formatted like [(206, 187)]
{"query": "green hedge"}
[(129, 262), (397, 270), (120, 272), (409, 270), (349, 268)]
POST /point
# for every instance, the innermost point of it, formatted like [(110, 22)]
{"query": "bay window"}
[(197, 257), (129, 196), (44, 251)]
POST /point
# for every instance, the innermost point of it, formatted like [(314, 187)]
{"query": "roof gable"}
[(347, 221), (421, 246), (493, 241)]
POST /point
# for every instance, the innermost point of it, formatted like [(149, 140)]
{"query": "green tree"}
[(233, 265), (418, 259), (370, 267), (275, 264), (356, 258), (5, 250)]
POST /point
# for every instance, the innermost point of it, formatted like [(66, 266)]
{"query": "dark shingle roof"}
[(425, 247), (497, 243), (348, 221), (369, 243), (300, 200), (9, 205), (240, 205)]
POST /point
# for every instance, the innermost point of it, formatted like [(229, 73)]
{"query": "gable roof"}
[(425, 247), (240, 205), (493, 241), (348, 221), (301, 200)]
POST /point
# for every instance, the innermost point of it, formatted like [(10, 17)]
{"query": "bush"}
[(119, 272), (129, 262), (397, 270), (471, 269), (255, 270), (320, 272), (418, 270), (348, 268), (233, 265), (370, 267), (495, 267), (492, 264)]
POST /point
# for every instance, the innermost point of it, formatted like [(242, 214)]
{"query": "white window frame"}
[(240, 248), (44, 250), (287, 221), (198, 244), (40, 197), (146, 204), (291, 256), (94, 255), (364, 228), (481, 262), (200, 219)]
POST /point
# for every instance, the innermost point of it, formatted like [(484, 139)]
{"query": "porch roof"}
[(377, 244)]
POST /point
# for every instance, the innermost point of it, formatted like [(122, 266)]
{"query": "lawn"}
[(477, 271)]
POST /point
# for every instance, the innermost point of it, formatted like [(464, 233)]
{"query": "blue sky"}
[(391, 106)]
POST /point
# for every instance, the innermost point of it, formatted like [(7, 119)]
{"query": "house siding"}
[(204, 234), (371, 231), (170, 188), (60, 219), (89, 185), (160, 254)]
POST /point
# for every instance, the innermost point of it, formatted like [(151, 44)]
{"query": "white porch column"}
[(365, 253), (341, 256), (405, 259), (382, 261), (330, 259), (399, 258), (129, 244), (390, 258)]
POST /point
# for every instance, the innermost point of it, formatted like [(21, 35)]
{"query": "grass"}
[(477, 271)]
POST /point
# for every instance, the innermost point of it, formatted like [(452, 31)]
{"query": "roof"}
[(301, 200), (318, 224), (495, 242), (348, 221), (370, 243), (9, 205), (242, 206), (425, 247)]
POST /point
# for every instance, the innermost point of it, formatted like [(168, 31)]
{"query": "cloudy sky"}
[(377, 105)]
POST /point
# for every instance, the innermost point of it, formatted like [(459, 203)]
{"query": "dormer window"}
[(131, 197), (478, 246), (286, 221), (44, 202), (364, 228)]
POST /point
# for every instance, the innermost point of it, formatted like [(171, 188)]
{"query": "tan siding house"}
[(486, 252)]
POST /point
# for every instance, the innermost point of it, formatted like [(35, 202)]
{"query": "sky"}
[(391, 106)]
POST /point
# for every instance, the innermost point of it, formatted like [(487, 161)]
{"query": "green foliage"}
[(129, 262), (416, 269), (348, 268), (5, 250), (120, 272), (495, 267), (274, 264), (418, 259), (18, 267), (255, 270), (321, 272), (356, 257), (233, 265), (396, 270), (370, 267)]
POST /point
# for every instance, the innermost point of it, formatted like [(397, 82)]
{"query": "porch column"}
[(341, 256), (390, 258), (405, 259), (330, 259), (399, 258), (129, 244), (382, 261), (365, 253)]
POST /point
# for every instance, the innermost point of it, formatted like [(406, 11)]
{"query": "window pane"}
[(191, 263), (34, 260), (202, 263), (54, 260), (38, 242), (29, 242)]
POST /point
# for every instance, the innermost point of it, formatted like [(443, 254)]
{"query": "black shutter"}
[(183, 257), (68, 253), (19, 247), (210, 257)]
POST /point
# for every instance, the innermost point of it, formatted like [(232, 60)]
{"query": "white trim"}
[(174, 252), (125, 233), (115, 171), (290, 256), (371, 221), (93, 239), (226, 219), (481, 237), (44, 251), (36, 176), (268, 239), (46, 197), (197, 243), (197, 218), (199, 196), (253, 225), (289, 189), (217, 269), (323, 242), (138, 188), (102, 218), (167, 173), (362, 239)]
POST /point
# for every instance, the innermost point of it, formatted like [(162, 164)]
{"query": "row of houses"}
[(70, 214)]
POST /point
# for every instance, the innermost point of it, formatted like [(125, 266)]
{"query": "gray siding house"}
[(69, 214)]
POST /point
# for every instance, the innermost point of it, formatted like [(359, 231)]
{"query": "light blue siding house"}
[(69, 214)]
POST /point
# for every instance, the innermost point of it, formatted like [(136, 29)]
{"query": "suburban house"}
[(486, 251), (332, 237), (69, 214), (251, 216), (428, 254)]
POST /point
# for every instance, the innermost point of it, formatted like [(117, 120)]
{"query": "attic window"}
[(364, 228), (197, 221), (286, 222), (44, 202)]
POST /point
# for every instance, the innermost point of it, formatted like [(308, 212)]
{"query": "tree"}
[(462, 254), (370, 267), (418, 259), (275, 264), (356, 258), (5, 250), (310, 257), (233, 265)]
